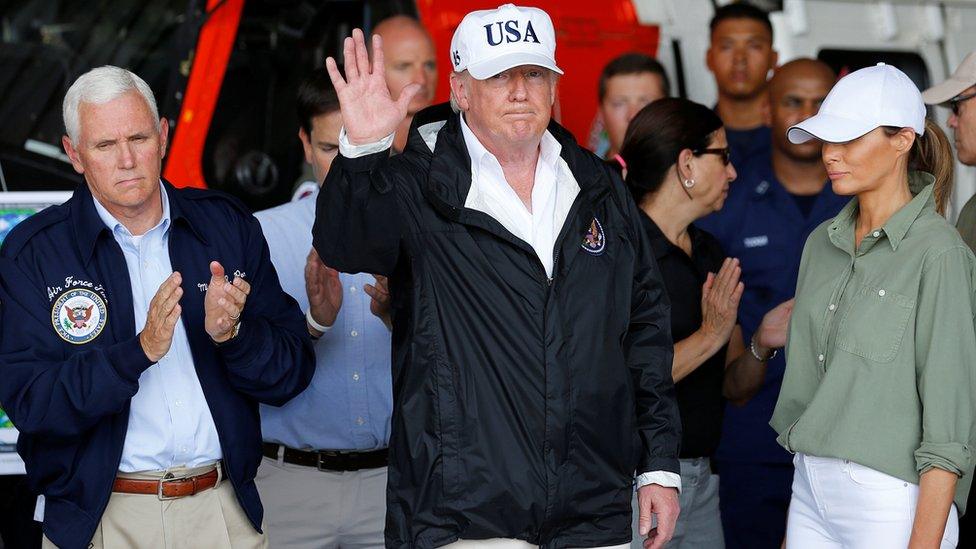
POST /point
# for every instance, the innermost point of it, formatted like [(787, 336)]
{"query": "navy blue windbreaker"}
[(71, 401)]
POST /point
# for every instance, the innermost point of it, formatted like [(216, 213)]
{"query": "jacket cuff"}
[(948, 456), (661, 478), (128, 359), (658, 463), (349, 150)]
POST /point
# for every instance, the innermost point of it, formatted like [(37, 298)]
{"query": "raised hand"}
[(223, 303), (720, 301), (164, 311), (775, 325), (369, 112), (379, 305), (324, 290)]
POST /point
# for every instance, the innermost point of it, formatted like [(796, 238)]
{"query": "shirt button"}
[(352, 289), (832, 307), (354, 333), (183, 449), (876, 234), (355, 377), (360, 421), (820, 358), (179, 403), (881, 293)]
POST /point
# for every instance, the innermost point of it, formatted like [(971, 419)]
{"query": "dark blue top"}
[(749, 145), (69, 397), (762, 225)]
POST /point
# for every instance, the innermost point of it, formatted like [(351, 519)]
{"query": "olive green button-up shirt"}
[(881, 358)]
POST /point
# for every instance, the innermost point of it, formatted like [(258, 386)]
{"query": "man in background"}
[(410, 59), (627, 84), (740, 56), (323, 476)]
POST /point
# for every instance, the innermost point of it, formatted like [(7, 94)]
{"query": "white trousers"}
[(840, 504), (502, 543)]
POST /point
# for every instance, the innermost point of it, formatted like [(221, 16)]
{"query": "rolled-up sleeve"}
[(945, 347)]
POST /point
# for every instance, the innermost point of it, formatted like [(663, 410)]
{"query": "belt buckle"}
[(338, 456), (161, 482)]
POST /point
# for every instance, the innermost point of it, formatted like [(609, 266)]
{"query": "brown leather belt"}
[(330, 460), (167, 488)]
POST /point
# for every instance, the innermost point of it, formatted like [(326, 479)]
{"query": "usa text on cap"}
[(488, 42)]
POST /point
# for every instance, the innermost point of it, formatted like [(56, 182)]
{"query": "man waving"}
[(531, 351)]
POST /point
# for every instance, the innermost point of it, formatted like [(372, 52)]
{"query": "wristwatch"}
[(234, 331)]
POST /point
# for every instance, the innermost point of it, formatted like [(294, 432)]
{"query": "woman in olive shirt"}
[(679, 171), (878, 397)]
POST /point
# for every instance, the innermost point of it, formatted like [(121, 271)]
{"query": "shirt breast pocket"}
[(873, 327)]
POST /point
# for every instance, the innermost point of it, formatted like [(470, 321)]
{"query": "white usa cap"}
[(488, 42), (862, 101)]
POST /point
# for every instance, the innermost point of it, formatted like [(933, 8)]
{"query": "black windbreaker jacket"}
[(523, 406)]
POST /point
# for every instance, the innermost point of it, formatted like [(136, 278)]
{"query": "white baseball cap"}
[(488, 42), (862, 101)]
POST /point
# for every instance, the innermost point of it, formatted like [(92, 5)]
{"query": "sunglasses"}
[(955, 101), (725, 153)]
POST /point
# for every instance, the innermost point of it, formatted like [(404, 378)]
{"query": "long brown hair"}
[(932, 153)]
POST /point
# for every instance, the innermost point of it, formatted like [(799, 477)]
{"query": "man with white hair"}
[(532, 350), (130, 363)]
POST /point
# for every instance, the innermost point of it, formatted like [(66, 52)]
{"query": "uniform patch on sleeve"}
[(79, 316), (595, 241)]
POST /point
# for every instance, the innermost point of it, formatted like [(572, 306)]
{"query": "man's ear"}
[(306, 144), (460, 91), (163, 135), (72, 153)]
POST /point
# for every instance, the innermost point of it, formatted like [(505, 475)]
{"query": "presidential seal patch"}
[(594, 241), (79, 316)]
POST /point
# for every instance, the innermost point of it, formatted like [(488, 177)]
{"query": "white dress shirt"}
[(553, 193)]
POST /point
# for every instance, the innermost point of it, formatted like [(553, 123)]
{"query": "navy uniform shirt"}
[(762, 225), (749, 146), (67, 383)]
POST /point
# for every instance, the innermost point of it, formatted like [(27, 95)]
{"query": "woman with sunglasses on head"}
[(678, 171), (878, 397)]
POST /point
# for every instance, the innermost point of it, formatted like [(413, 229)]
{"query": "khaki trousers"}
[(305, 508), (212, 519)]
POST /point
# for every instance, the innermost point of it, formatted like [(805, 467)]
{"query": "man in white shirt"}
[(531, 344)]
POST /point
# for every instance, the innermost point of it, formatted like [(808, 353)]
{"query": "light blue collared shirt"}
[(169, 420), (350, 400)]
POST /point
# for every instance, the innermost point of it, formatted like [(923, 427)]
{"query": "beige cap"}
[(964, 77)]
